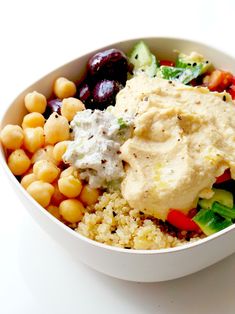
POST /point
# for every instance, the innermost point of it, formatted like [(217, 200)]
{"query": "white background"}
[(36, 275)]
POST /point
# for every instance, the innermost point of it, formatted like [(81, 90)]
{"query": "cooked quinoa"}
[(112, 221)]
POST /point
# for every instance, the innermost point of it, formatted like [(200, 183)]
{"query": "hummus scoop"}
[(183, 139)]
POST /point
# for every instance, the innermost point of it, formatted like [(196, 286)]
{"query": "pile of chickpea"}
[(35, 151)]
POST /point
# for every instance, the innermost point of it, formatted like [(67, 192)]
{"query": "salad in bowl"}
[(136, 154)]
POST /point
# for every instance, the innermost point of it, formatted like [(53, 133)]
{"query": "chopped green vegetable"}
[(193, 60), (140, 55), (143, 60), (125, 130), (183, 75), (221, 196), (223, 211), (210, 222), (186, 69), (122, 123), (151, 70)]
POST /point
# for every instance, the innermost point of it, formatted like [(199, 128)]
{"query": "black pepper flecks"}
[(136, 56), (90, 137), (179, 117), (224, 98), (70, 130), (103, 161), (134, 154), (170, 82), (194, 64), (56, 116), (114, 214)]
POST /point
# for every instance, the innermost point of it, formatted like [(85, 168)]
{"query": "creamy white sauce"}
[(95, 149)]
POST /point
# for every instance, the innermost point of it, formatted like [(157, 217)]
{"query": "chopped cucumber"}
[(151, 70), (210, 222), (193, 60), (140, 55), (223, 211), (143, 60), (183, 75), (221, 196)]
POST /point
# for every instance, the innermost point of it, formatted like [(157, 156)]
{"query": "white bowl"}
[(141, 265)]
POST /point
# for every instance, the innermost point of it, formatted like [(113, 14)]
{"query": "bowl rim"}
[(12, 178)]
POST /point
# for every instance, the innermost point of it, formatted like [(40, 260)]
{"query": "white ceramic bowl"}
[(143, 265)]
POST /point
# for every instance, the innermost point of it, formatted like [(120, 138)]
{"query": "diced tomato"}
[(224, 177), (181, 221), (218, 80), (231, 91), (167, 63)]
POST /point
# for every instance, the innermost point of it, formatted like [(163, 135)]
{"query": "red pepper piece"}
[(218, 80), (224, 177), (231, 91), (181, 221), (167, 63)]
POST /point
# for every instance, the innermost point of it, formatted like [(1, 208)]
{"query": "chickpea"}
[(71, 210), (12, 136), (59, 150), (18, 162), (70, 106), (57, 196), (69, 171), (41, 192), (33, 120), (64, 88), (35, 102), (88, 195), (33, 139), (45, 153), (56, 129), (45, 170), (70, 186), (28, 179), (54, 211)]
